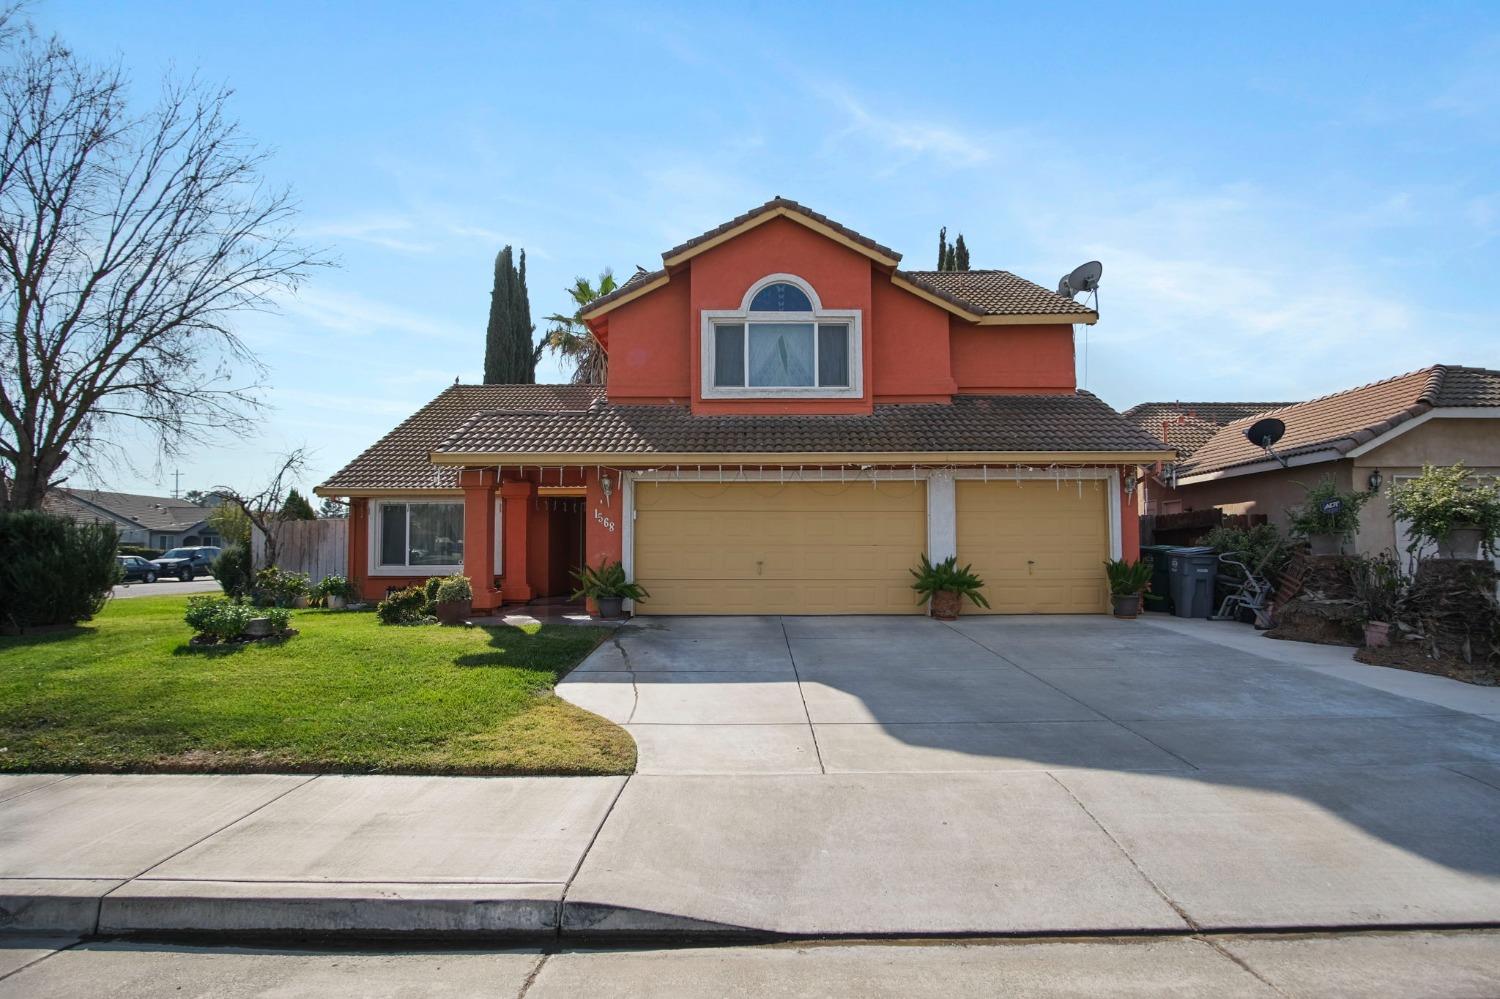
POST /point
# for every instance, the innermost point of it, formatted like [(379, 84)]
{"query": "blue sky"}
[(1288, 200)]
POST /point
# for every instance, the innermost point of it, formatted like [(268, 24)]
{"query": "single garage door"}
[(772, 548), (1039, 545)]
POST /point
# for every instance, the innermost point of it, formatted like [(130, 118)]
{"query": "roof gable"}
[(1187, 426)]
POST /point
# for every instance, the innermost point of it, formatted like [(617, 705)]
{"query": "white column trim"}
[(942, 516)]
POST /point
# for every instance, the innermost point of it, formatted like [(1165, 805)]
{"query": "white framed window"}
[(781, 342), (421, 537)]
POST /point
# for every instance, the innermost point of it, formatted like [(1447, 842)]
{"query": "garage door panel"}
[(1038, 545), (767, 548)]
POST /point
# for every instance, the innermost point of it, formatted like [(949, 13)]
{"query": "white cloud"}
[(352, 313)]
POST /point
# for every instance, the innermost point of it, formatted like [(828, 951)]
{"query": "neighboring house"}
[(790, 421), (1365, 438), (1184, 427), (149, 521)]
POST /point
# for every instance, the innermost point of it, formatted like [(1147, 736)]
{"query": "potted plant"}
[(336, 592), (1450, 508), (608, 587), (452, 599), (944, 586), (1327, 518), (1127, 582), (1378, 585)]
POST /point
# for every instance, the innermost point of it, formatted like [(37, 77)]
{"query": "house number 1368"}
[(609, 525)]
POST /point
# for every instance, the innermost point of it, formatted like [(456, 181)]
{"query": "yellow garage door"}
[(772, 548), (1039, 545)]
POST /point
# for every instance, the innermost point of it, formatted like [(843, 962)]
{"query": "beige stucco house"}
[(1364, 438)]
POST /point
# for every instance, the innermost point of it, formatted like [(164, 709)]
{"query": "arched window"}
[(781, 341)]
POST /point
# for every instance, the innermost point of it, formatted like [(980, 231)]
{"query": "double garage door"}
[(847, 548)]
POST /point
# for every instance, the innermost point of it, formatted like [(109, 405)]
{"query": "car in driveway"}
[(134, 569), (185, 563)]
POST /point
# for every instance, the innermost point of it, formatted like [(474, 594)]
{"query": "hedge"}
[(53, 571)]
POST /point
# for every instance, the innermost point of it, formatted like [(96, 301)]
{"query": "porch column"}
[(942, 516), (515, 505), (479, 534)]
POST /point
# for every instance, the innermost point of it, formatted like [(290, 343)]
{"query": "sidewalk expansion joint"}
[(802, 695)]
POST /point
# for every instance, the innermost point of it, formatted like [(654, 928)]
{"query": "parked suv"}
[(185, 563)]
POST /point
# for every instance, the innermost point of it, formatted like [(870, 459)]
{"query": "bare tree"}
[(128, 244), (264, 509)]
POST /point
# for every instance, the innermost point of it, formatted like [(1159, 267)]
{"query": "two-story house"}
[(790, 421)]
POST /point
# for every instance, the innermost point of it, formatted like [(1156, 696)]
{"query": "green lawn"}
[(125, 692)]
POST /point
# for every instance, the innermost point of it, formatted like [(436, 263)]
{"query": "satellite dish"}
[(1081, 279), (1265, 433)]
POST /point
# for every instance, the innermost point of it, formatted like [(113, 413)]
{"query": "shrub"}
[(453, 589), (281, 589), (141, 550), (1126, 578), (947, 576), (1312, 518), (335, 586), (232, 570), (217, 617), (407, 606), (607, 581), (280, 618), (1440, 499), (53, 571), (1262, 547), (1379, 586), (430, 588)]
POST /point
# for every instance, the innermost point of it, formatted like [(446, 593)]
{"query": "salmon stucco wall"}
[(649, 358), (997, 360), (720, 277), (909, 341)]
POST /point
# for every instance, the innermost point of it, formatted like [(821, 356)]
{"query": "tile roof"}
[(156, 513), (1187, 426), (401, 459), (788, 204), (1078, 422), (1345, 420), (520, 420), (995, 293)]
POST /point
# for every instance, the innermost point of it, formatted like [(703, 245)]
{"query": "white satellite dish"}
[(1080, 280)]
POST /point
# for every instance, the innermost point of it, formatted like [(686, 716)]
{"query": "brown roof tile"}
[(995, 293), (1187, 426), (790, 205), (1345, 420), (1078, 422), (401, 459)]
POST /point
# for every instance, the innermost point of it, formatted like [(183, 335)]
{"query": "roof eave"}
[(981, 319), (644, 459)]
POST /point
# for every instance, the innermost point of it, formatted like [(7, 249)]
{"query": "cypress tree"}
[(951, 264), (943, 249), (960, 254), (509, 355)]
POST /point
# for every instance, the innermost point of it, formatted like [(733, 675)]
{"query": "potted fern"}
[(1128, 581), (608, 587), (1450, 508), (944, 586), (452, 599), (1327, 518)]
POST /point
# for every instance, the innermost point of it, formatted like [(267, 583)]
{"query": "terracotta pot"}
[(1377, 634), (1461, 542), (611, 608), (1325, 544), (1126, 605), (452, 611), (946, 604)]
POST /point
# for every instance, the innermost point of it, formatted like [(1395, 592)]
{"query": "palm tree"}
[(570, 336)]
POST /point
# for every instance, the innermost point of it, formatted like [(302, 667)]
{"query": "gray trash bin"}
[(1192, 572)]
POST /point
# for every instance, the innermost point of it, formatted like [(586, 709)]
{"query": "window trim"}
[(376, 568), (708, 346)]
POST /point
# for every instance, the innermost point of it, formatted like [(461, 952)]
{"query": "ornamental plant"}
[(408, 606), (335, 586), (453, 589), (279, 588), (1441, 500), (218, 618), (606, 582), (1311, 518), (947, 577), (1126, 578)]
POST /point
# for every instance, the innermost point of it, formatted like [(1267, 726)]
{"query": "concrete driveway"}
[(1009, 774)]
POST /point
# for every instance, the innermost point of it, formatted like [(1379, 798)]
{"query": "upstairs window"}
[(781, 343)]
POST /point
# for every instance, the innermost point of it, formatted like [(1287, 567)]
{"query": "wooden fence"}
[(319, 548)]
